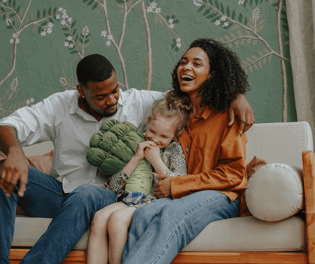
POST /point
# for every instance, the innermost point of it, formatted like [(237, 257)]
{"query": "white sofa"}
[(274, 142)]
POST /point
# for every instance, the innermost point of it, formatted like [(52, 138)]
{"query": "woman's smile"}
[(193, 70)]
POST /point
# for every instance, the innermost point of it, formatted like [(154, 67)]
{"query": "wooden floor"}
[(79, 257)]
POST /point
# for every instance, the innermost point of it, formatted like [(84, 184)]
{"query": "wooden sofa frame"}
[(308, 157)]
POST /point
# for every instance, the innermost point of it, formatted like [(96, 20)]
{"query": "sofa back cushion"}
[(279, 142)]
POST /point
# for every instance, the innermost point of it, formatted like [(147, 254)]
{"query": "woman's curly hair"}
[(227, 75)]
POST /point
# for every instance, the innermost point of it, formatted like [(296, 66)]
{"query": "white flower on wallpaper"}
[(255, 14), (14, 84), (47, 29), (197, 2), (240, 2), (30, 102), (109, 39), (152, 8), (15, 38), (85, 31), (217, 22), (104, 33)]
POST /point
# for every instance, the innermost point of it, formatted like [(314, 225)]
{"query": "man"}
[(68, 119)]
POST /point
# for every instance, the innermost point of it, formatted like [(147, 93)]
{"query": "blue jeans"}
[(160, 229), (44, 197)]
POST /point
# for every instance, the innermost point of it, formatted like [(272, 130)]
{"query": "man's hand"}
[(14, 170), (162, 188), (240, 107)]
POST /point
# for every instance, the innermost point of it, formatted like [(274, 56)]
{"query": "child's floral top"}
[(172, 156)]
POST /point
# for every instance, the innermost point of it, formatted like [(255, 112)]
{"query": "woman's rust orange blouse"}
[(215, 156)]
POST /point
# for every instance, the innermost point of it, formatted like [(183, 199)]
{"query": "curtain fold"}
[(301, 20)]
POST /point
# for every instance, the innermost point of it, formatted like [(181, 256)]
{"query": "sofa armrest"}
[(308, 158)]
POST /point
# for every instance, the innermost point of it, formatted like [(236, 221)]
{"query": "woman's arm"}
[(240, 107)]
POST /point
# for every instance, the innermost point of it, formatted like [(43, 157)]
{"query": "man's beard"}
[(111, 114)]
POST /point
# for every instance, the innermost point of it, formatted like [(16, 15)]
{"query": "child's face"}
[(161, 131)]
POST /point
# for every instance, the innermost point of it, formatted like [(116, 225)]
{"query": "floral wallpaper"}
[(42, 42)]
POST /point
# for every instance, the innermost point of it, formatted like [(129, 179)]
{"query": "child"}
[(164, 123)]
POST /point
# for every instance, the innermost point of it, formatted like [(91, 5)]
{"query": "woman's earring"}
[(83, 96)]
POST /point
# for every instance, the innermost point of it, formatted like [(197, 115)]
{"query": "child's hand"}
[(152, 154), (140, 153)]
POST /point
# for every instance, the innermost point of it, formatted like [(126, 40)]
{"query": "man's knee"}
[(87, 195)]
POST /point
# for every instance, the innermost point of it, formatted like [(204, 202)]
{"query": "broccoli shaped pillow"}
[(113, 146)]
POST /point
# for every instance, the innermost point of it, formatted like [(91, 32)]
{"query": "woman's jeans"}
[(160, 229), (72, 214)]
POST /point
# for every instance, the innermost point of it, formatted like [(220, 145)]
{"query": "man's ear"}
[(80, 90)]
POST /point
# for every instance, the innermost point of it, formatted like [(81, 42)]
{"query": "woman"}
[(211, 76)]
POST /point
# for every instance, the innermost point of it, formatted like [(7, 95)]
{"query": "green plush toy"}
[(111, 149)]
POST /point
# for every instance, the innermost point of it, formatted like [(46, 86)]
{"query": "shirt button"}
[(187, 149)]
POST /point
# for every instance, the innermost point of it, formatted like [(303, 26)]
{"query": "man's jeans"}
[(160, 229), (71, 213)]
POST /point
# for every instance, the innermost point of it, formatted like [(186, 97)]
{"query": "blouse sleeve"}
[(117, 182), (177, 162)]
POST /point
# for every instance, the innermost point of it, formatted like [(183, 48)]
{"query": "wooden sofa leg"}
[(308, 158)]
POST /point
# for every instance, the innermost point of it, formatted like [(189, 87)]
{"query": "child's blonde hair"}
[(171, 106)]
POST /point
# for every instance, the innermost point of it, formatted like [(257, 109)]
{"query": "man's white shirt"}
[(59, 119)]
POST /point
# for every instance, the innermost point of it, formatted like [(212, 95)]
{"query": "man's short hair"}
[(94, 68)]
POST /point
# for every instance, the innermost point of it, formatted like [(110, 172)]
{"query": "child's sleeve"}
[(177, 162), (117, 182)]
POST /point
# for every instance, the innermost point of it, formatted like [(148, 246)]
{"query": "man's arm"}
[(240, 107), (15, 167)]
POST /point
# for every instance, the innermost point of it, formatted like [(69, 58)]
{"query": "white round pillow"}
[(275, 192)]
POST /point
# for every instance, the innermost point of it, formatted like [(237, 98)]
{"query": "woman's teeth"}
[(186, 78)]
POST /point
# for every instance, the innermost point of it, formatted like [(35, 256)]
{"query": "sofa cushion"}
[(275, 192), (251, 234), (241, 233)]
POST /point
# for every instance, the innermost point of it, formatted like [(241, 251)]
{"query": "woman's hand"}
[(240, 107), (162, 188)]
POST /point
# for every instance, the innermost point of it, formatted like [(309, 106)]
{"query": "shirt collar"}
[(73, 103), (206, 113)]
